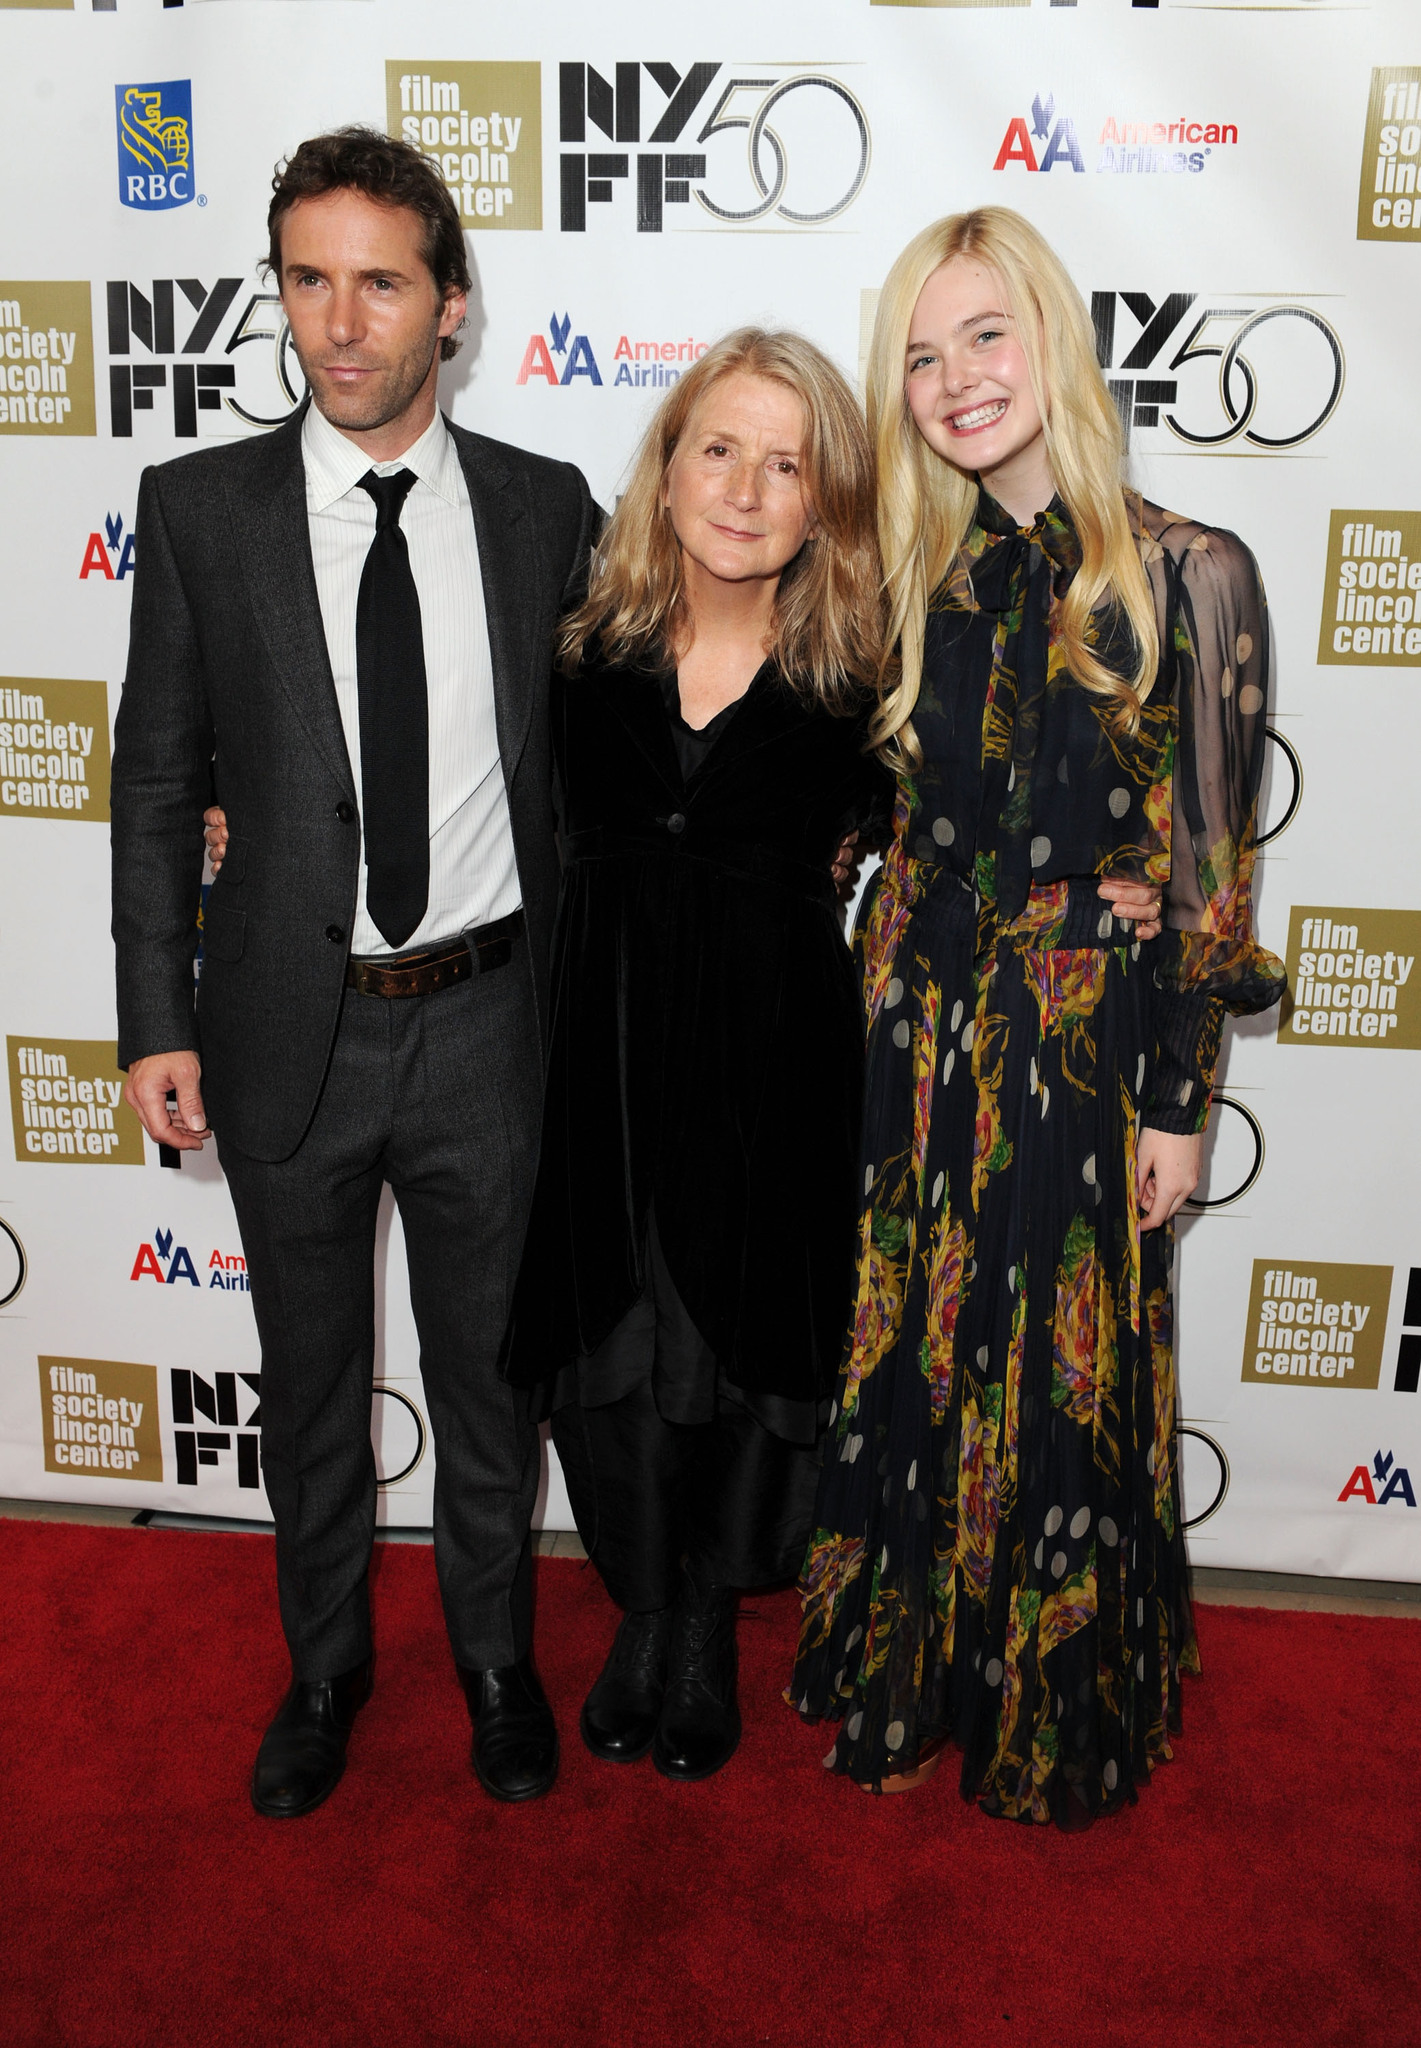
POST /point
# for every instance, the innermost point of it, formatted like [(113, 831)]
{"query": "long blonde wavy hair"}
[(828, 615), (926, 504)]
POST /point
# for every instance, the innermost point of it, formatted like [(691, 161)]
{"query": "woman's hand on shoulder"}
[(1167, 1169), (215, 822), (1136, 903), (843, 860)]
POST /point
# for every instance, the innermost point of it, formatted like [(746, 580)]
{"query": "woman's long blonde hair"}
[(926, 505), (828, 615)]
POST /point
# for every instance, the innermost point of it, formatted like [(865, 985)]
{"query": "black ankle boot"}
[(620, 1713), (699, 1726)]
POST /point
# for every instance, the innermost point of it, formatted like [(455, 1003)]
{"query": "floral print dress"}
[(998, 1553)]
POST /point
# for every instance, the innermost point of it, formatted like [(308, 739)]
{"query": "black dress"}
[(999, 1553), (688, 1270)]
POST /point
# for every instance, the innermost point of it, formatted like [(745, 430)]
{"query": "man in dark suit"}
[(346, 624)]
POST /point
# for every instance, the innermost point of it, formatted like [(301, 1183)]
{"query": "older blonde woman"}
[(998, 1554), (689, 1264)]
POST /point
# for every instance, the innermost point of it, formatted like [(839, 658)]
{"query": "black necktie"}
[(394, 720)]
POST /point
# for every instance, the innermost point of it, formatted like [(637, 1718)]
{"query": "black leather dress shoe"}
[(302, 1754), (620, 1713), (515, 1736), (699, 1728)]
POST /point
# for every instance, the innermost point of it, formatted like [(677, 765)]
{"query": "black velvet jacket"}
[(707, 1038)]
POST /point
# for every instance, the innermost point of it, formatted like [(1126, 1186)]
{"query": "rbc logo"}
[(155, 145)]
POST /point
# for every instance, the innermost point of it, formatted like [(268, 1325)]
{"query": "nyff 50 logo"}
[(173, 320), (155, 170), (1264, 374), (806, 169)]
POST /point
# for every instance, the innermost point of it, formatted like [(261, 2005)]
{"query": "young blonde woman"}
[(689, 1262), (998, 1555)]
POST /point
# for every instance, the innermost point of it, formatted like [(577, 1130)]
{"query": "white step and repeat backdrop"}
[(1234, 187)]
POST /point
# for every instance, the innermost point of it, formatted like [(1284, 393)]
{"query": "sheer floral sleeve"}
[(1215, 652)]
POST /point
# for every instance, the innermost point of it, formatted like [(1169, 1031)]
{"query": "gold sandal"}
[(929, 1757)]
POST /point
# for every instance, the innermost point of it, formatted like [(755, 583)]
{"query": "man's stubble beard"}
[(389, 393)]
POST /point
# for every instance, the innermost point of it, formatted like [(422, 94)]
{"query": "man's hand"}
[(1136, 903), (216, 836), (1167, 1171), (183, 1126)]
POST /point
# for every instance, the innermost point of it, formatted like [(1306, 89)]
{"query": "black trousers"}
[(728, 1494), (438, 1095)]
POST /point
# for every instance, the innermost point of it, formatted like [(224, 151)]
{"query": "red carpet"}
[(1264, 1891)]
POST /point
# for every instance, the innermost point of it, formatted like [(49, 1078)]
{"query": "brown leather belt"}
[(422, 974)]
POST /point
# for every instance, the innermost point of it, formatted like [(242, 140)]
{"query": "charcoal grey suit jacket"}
[(229, 686)]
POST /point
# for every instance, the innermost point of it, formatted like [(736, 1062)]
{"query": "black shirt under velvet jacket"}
[(707, 1041)]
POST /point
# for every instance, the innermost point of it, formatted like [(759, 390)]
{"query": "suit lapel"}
[(507, 567), (268, 507)]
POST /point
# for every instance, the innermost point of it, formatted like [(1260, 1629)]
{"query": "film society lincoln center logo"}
[(1389, 198), (100, 1417), (46, 359), (1371, 607), (482, 124), (54, 749), (1316, 1325), (1352, 979), (66, 1104)]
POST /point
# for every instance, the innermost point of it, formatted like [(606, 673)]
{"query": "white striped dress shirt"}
[(473, 877)]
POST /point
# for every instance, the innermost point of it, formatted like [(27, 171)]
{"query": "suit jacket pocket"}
[(224, 932)]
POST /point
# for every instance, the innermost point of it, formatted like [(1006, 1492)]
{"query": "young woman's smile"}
[(969, 387)]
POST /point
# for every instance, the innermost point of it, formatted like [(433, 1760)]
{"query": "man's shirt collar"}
[(334, 465)]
